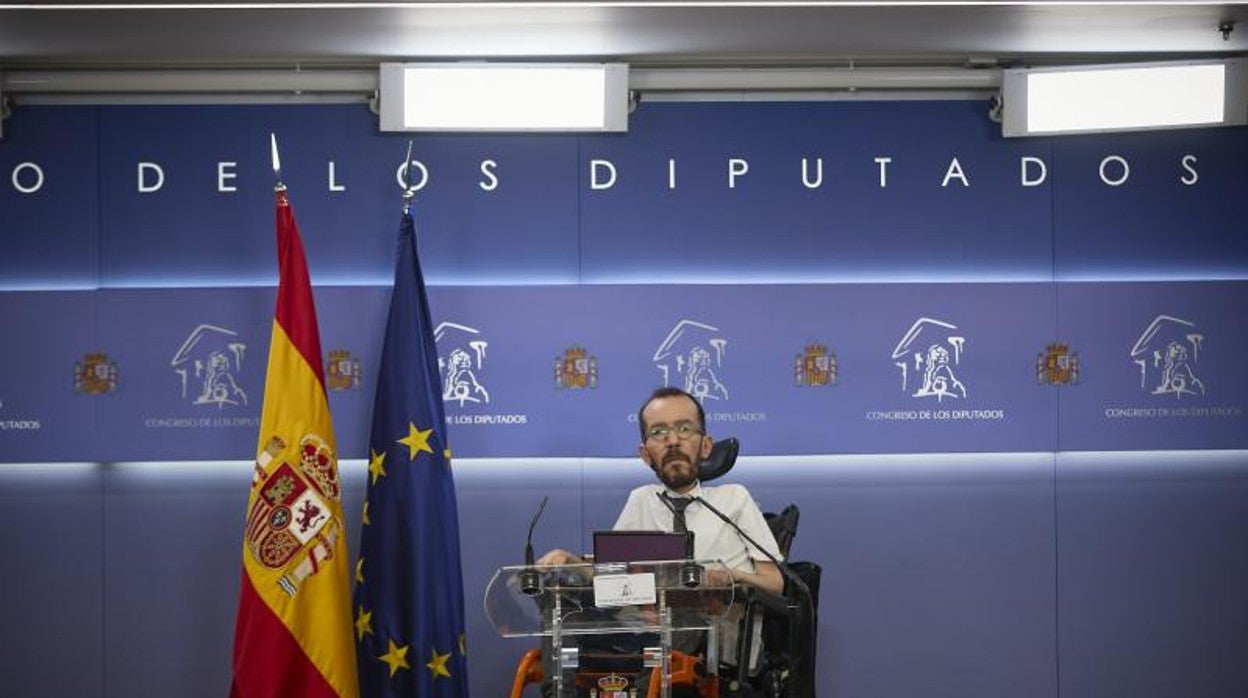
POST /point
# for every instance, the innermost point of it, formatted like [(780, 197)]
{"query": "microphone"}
[(530, 579), (801, 609), (785, 572), (690, 571)]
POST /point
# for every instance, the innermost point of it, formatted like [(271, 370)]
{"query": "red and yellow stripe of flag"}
[(293, 634)]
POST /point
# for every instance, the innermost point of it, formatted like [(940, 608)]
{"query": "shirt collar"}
[(695, 492)]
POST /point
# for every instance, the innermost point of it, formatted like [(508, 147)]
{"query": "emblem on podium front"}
[(613, 686)]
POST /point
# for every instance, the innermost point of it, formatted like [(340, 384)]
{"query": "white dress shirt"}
[(712, 538)]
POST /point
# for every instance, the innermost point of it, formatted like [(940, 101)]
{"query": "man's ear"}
[(645, 456), (707, 444)]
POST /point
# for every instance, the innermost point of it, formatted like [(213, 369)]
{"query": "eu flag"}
[(409, 598)]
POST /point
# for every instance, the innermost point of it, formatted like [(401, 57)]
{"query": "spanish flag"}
[(293, 633)]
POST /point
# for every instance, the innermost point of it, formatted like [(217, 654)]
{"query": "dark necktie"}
[(678, 513)]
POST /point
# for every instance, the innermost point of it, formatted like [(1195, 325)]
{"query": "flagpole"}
[(410, 635), (408, 192), (293, 632), (278, 186)]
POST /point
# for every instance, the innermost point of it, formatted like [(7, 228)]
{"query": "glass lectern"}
[(575, 605)]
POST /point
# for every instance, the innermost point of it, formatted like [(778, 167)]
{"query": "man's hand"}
[(719, 577), (559, 557), (765, 576)]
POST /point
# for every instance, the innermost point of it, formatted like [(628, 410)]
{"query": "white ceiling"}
[(655, 33)]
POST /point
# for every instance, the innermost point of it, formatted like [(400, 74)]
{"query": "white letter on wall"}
[(333, 179), (487, 169), (1026, 181), (17, 182), (736, 168), (594, 182), (883, 161), (424, 175), (955, 170), (1191, 178), (225, 171), (1126, 170), (818, 173), (145, 167)]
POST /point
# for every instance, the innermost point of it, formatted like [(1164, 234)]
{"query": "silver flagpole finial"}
[(277, 165), (408, 192)]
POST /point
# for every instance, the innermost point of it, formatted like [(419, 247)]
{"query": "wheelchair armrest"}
[(770, 602)]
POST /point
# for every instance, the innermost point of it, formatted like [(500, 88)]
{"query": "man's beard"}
[(676, 479)]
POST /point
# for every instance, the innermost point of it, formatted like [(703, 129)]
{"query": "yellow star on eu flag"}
[(396, 657), (359, 570), (416, 441), (437, 665), (376, 465), (363, 624)]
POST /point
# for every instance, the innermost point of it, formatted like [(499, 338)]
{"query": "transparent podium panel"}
[(606, 628)]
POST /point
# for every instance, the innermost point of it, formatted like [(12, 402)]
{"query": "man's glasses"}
[(683, 431)]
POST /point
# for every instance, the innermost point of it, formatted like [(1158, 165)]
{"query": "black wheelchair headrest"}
[(784, 526), (723, 456)]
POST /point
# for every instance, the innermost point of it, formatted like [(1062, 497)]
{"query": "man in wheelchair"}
[(674, 442)]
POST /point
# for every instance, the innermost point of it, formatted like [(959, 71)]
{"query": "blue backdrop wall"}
[(1003, 379)]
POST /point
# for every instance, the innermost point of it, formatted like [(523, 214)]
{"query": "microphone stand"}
[(530, 578), (800, 610)]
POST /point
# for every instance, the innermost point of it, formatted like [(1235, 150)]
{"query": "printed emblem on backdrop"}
[(207, 364), (928, 355), (1057, 365), (1167, 354), (461, 358), (342, 372), (291, 520), (576, 369), (815, 367), (690, 356), (95, 374)]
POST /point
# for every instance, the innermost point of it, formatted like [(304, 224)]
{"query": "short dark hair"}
[(669, 391)]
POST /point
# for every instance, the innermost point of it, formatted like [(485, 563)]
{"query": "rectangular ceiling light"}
[(504, 97), (1125, 97)]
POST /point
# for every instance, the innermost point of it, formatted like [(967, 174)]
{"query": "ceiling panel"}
[(352, 34)]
